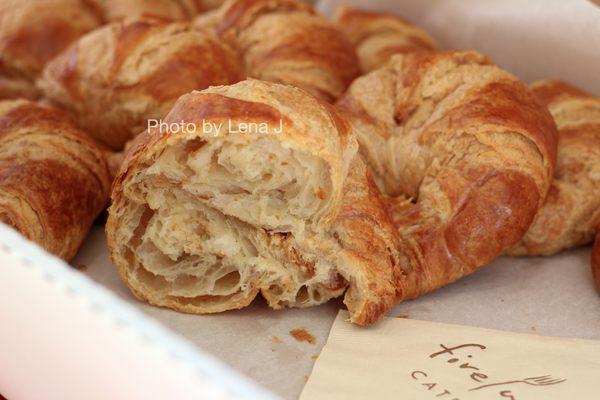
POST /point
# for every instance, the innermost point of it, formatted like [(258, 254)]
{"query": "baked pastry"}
[(571, 213), (117, 10), (31, 33), (53, 178), (378, 36), (116, 78), (465, 152), (285, 41), (276, 202)]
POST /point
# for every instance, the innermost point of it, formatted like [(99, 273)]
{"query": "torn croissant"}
[(571, 213), (203, 222), (378, 36), (468, 144), (53, 179)]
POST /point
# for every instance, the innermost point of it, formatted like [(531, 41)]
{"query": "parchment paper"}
[(422, 360), (549, 296)]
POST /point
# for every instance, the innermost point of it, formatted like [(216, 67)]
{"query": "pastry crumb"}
[(314, 356), (302, 335), (81, 267), (533, 328), (306, 378), (277, 340), (272, 349), (401, 316)]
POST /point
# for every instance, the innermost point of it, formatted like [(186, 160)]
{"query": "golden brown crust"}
[(285, 41), (339, 237), (378, 36), (32, 32), (596, 262), (472, 148), (571, 213), (53, 179), (117, 77)]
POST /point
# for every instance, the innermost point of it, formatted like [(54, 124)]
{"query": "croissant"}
[(53, 178), (277, 201), (571, 213), (285, 41), (463, 150), (116, 10), (117, 77), (31, 33), (377, 36)]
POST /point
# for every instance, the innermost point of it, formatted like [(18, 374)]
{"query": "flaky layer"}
[(378, 36), (203, 222)]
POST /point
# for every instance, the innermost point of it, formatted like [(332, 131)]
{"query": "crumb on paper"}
[(302, 335), (314, 356), (306, 378), (533, 328), (81, 267), (401, 316), (272, 349), (277, 340)]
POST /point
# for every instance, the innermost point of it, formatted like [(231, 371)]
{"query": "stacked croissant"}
[(344, 157)]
